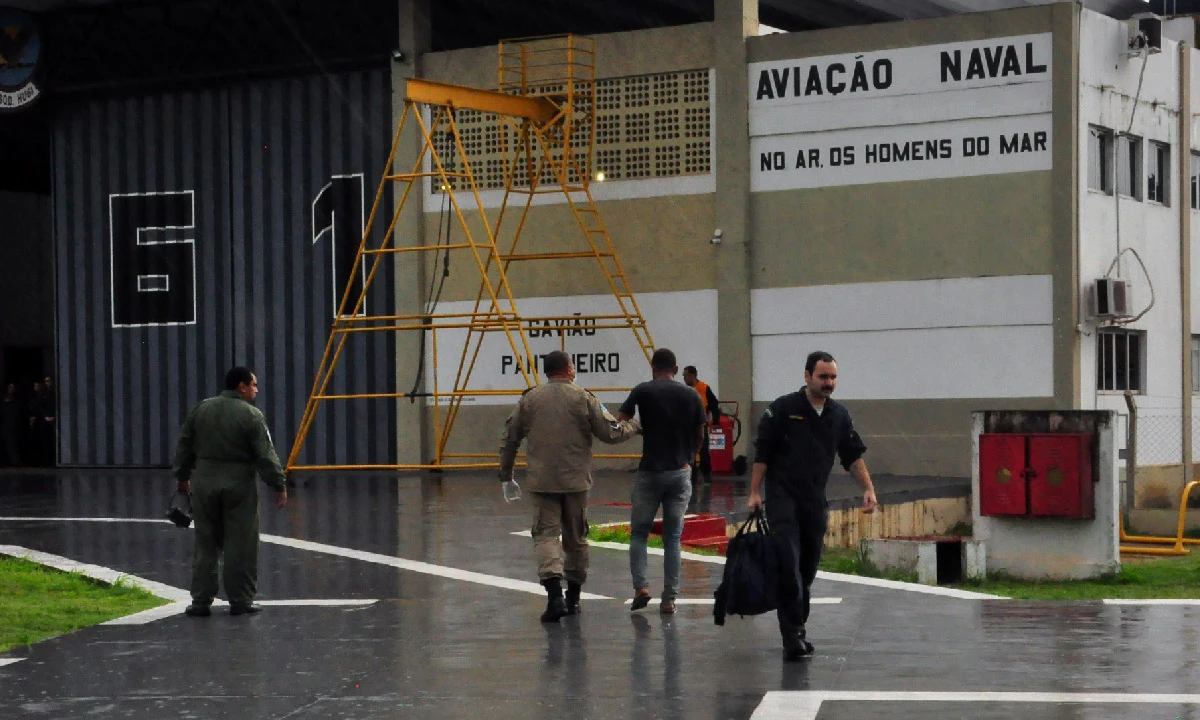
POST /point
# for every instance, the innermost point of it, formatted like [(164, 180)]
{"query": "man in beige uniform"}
[(559, 420)]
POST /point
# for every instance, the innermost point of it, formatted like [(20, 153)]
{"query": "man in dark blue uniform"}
[(798, 436)]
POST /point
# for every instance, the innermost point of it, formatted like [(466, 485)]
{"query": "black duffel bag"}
[(180, 509), (751, 584)]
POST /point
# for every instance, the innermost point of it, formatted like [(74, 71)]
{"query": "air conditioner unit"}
[(1110, 298), (1144, 33)]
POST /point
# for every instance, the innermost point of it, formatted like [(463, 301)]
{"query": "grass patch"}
[(620, 534), (1171, 577), (37, 602), (851, 562), (1139, 578)]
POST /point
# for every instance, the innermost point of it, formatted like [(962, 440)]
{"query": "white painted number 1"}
[(339, 213)]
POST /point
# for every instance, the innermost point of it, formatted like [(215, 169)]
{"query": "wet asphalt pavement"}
[(451, 636)]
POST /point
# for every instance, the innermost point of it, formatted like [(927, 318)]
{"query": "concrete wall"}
[(1108, 87), (844, 252), (918, 518), (660, 228), (988, 262)]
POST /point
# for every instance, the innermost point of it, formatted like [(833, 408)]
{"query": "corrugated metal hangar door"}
[(197, 230)]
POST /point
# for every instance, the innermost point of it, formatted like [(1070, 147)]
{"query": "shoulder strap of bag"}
[(749, 525)]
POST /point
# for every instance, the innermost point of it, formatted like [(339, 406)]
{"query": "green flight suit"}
[(223, 444)]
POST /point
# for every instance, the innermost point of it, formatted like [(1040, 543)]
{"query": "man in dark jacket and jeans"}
[(794, 451), (673, 421)]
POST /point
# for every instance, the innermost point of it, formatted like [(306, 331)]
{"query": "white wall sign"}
[(904, 71), (901, 152), (685, 322), (935, 111)]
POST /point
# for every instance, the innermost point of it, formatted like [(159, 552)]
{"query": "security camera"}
[(398, 55), (716, 237)]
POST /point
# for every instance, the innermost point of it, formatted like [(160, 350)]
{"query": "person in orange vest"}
[(711, 410)]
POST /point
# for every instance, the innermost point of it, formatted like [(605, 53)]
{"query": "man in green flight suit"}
[(223, 444)]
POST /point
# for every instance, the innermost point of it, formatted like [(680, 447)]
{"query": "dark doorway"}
[(25, 366), (36, 433)]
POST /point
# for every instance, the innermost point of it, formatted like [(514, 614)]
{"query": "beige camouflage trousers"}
[(560, 530)]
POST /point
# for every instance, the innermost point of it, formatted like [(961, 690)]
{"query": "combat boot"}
[(556, 607), (573, 591), (796, 646)]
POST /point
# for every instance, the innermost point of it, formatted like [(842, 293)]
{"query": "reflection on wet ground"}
[(436, 645)]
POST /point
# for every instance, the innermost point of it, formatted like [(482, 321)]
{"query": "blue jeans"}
[(671, 489)]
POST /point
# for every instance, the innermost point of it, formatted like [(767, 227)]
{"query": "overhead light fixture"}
[(600, 177)]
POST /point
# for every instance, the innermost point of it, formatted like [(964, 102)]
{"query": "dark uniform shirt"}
[(227, 436), (797, 445), (670, 413)]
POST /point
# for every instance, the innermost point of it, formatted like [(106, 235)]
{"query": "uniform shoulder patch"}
[(769, 413)]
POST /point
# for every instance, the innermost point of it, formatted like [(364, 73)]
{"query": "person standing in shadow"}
[(10, 427)]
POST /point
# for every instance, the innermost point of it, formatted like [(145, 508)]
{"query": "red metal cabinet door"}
[(1001, 474), (1060, 484)]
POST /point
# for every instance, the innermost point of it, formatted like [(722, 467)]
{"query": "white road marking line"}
[(84, 519), (417, 566), (1163, 601), (9, 661), (96, 572), (804, 705), (180, 599), (908, 587), (153, 614), (411, 565), (316, 602), (712, 601), (836, 577), (166, 611), (715, 559)]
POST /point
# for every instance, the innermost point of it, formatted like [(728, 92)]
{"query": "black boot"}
[(197, 610), (556, 608), (796, 645), (573, 590)]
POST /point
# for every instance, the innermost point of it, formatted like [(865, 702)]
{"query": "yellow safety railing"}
[(1178, 542)]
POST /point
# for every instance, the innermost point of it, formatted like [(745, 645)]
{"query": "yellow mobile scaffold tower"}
[(545, 104)]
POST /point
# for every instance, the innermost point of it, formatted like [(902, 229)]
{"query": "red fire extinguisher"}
[(722, 437)]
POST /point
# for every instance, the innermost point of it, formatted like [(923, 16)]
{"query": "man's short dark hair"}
[(663, 359), (556, 362), (816, 357), (691, 369), (237, 376)]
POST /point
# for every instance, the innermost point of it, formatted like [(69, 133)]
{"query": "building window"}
[(1195, 181), (1100, 159), (1119, 360), (1195, 360), (1158, 181), (1129, 166)]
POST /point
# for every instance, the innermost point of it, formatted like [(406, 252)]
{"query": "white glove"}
[(512, 491)]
